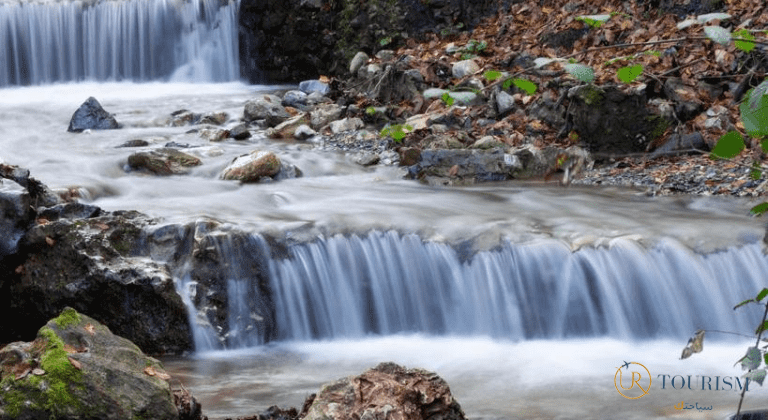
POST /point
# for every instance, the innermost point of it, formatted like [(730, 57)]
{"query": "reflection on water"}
[(491, 379)]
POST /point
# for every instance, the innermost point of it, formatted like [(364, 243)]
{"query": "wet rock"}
[(97, 266), (287, 129), (680, 144), (15, 215), (357, 61), (267, 108), (240, 132), (214, 118), (295, 98), (214, 134), (346, 124), (135, 143), (470, 165), (91, 116), (304, 132), (311, 86), (461, 69), (252, 167), (70, 211), (287, 171), (39, 193), (211, 270), (388, 391), (164, 161), (183, 117), (323, 115), (77, 369), (367, 159)]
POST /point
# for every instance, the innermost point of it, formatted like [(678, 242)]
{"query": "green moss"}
[(591, 95), (68, 317), (59, 373), (659, 125), (13, 400)]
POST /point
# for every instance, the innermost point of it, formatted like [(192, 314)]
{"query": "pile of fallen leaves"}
[(667, 43)]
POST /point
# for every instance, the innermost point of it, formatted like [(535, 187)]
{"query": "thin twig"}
[(746, 383)]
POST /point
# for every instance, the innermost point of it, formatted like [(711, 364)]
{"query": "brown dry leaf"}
[(453, 171), (42, 221), (90, 328), (324, 79), (101, 226), (151, 371), (23, 374), (50, 241), (69, 349), (75, 363), (19, 270)]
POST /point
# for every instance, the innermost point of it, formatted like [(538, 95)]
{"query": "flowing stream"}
[(525, 297)]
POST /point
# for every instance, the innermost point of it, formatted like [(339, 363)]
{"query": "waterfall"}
[(386, 283), (140, 40)]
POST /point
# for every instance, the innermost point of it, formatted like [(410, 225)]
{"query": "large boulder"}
[(77, 369), (388, 391), (98, 266), (294, 40), (91, 116)]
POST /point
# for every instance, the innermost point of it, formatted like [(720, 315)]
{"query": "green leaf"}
[(759, 209), (447, 99), (745, 46), (756, 172), (594, 20), (764, 145), (581, 72), (742, 303), (765, 358), (763, 293), (385, 41), (729, 145), (526, 85), (492, 75), (718, 34), (629, 73), (762, 327), (756, 375), (754, 111), (507, 84), (751, 360)]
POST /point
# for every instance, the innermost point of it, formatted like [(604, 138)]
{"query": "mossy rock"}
[(77, 369)]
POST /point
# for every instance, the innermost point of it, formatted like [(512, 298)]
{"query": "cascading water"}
[(140, 40), (387, 283)]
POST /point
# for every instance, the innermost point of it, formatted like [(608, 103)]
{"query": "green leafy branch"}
[(396, 131), (755, 356)]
